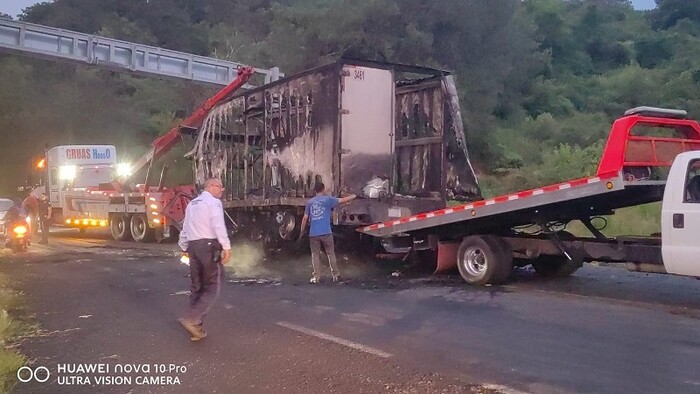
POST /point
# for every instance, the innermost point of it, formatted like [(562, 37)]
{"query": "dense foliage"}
[(540, 80)]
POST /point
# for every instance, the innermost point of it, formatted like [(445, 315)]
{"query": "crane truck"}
[(89, 188), (652, 155)]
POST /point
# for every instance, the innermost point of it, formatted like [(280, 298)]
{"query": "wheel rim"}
[(118, 227), (287, 224), (138, 227), (474, 261)]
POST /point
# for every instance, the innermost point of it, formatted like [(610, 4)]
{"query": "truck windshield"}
[(92, 176)]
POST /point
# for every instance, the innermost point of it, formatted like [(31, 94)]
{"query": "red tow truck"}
[(652, 154)]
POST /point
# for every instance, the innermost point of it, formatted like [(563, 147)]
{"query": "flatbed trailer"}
[(484, 239)]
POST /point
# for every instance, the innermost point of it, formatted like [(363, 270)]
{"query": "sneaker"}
[(336, 279), (313, 280), (196, 331)]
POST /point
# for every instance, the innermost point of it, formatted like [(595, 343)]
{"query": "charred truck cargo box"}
[(392, 134)]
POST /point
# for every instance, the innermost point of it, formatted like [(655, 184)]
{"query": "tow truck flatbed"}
[(585, 197)]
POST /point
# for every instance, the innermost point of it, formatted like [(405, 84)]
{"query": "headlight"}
[(123, 170), (67, 173), (19, 230)]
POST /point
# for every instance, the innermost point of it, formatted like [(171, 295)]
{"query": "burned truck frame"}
[(392, 134)]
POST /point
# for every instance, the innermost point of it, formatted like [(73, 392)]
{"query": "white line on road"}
[(339, 341), (503, 389)]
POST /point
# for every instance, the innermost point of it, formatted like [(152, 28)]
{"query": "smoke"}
[(247, 262)]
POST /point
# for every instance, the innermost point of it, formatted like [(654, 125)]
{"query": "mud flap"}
[(446, 257)]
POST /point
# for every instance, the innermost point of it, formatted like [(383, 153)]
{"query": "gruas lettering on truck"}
[(390, 133), (74, 175)]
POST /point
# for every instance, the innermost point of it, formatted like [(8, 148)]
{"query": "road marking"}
[(503, 389), (334, 339)]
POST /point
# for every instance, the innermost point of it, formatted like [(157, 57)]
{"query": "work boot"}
[(195, 330), (202, 334)]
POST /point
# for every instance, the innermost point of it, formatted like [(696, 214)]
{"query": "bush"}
[(10, 361)]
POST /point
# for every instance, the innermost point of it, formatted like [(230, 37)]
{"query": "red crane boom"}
[(163, 143)]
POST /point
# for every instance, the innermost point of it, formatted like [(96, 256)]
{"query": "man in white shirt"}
[(203, 237)]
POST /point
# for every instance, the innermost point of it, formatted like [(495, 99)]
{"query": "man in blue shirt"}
[(318, 215)]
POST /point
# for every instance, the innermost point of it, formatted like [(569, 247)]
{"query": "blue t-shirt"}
[(319, 211)]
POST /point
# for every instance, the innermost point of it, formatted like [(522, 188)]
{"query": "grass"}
[(10, 331), (641, 220)]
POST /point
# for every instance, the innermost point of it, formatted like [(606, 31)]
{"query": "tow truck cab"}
[(680, 216), (74, 171)]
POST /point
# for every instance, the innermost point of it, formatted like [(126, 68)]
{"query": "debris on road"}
[(256, 281)]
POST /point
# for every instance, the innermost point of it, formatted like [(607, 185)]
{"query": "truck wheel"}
[(556, 266), (549, 266), (140, 230), (119, 227), (288, 225), (484, 260)]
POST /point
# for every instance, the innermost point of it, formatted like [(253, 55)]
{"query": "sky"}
[(14, 7)]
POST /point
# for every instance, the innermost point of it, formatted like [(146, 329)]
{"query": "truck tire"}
[(549, 266), (119, 227), (484, 259), (556, 266), (140, 231)]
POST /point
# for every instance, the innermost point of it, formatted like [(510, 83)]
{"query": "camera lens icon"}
[(27, 374)]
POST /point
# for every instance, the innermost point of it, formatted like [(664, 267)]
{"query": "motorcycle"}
[(17, 235)]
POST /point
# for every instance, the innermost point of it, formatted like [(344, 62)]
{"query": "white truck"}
[(652, 155), (74, 174)]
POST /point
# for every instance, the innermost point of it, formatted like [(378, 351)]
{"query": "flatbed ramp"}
[(576, 199)]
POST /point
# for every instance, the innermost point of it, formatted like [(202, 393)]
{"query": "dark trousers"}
[(44, 223), (329, 247), (205, 275)]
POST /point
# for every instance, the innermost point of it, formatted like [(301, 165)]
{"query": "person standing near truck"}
[(31, 207), (205, 240), (318, 215), (44, 217)]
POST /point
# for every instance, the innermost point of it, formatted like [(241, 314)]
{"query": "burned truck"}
[(390, 133)]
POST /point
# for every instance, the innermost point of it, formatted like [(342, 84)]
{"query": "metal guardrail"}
[(50, 43)]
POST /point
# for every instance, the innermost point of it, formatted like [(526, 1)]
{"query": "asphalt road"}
[(101, 302)]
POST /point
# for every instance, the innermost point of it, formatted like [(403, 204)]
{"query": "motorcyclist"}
[(14, 217), (15, 213)]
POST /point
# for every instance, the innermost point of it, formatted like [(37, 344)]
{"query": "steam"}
[(247, 262)]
